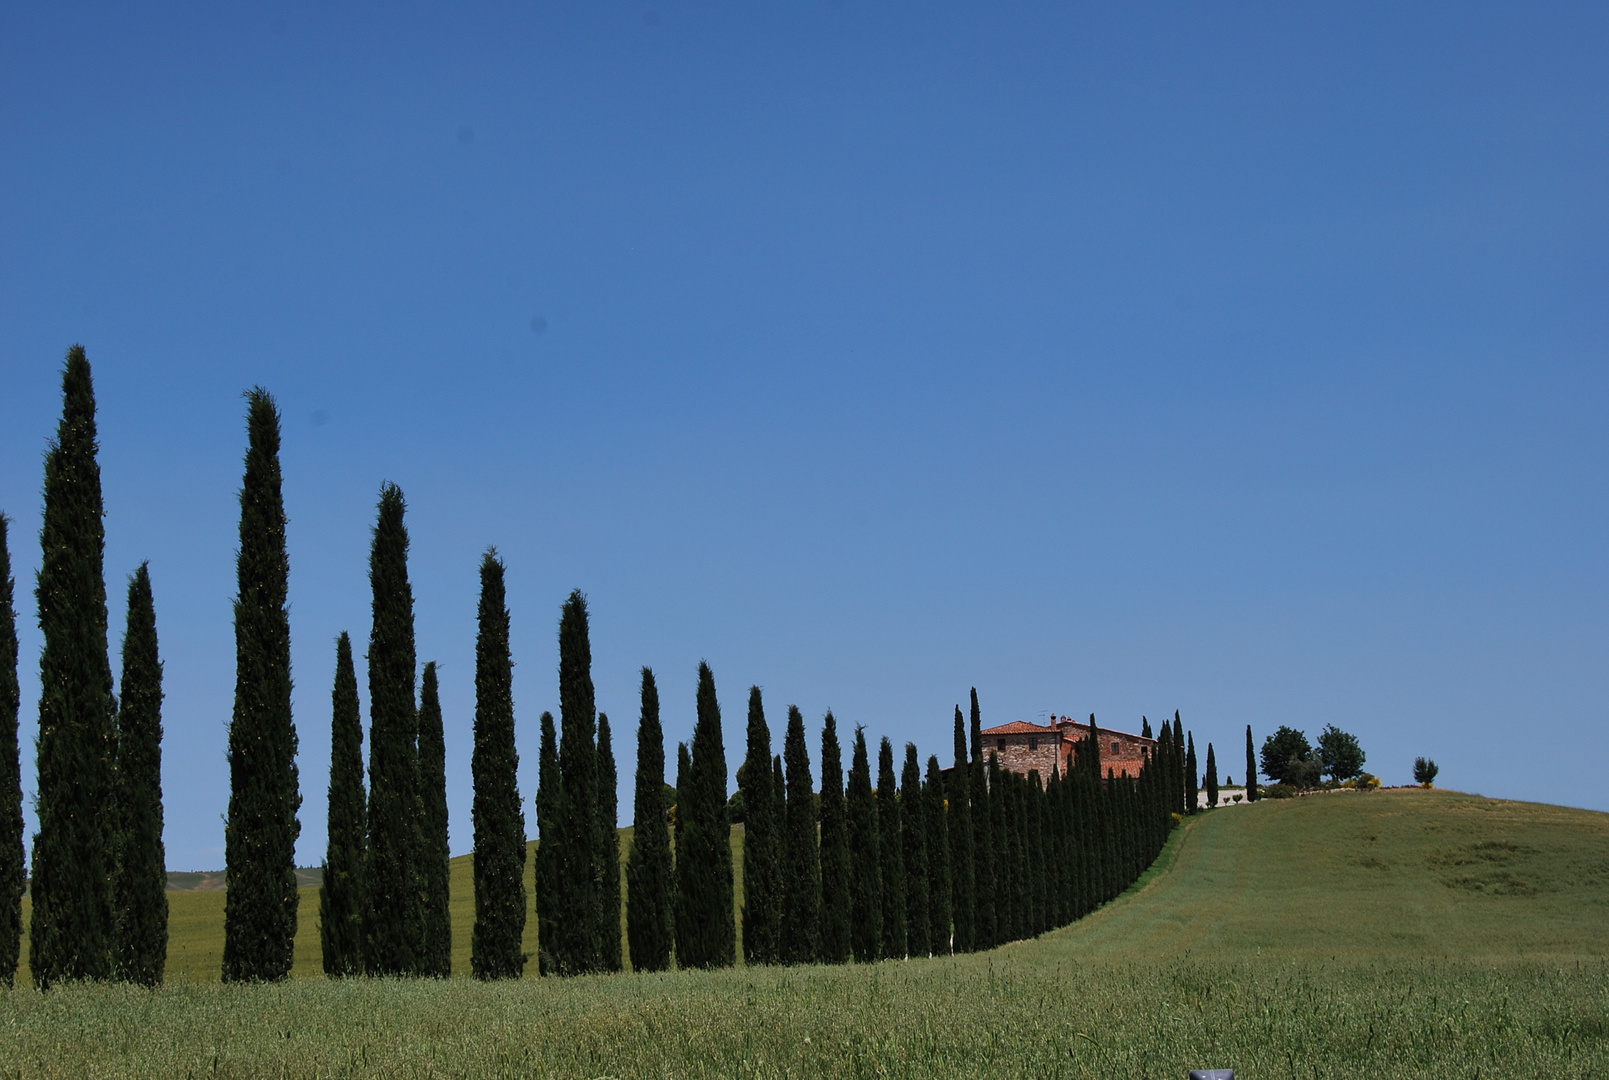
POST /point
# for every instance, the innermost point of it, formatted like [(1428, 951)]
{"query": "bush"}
[(1279, 791), (1304, 772)]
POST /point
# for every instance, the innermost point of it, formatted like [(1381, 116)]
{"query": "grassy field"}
[(1395, 934)]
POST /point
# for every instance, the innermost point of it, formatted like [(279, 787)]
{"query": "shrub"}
[(1424, 772), (1279, 791)]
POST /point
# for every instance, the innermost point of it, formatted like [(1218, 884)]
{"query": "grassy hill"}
[(1394, 934)]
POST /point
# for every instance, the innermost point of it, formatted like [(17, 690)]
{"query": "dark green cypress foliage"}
[(140, 888), (938, 861), (649, 929), (1037, 898), (1184, 779), (962, 877), (684, 925), (893, 853), (706, 935), (1067, 828), (13, 872), (394, 925), (913, 836), (607, 929), (577, 949), (1164, 758), (1024, 869), (1212, 778), (341, 900), (1192, 792), (260, 835), (435, 921), (1251, 768), (1050, 841), (865, 857), (1145, 728), (998, 850), (499, 818), (835, 867), (983, 898), (801, 915), (762, 870), (550, 911), (71, 929)]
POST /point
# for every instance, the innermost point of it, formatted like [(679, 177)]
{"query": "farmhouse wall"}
[(1024, 747)]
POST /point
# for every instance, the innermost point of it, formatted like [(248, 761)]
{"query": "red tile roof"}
[(1020, 727)]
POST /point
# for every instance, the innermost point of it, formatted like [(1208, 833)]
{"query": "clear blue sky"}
[(1246, 361)]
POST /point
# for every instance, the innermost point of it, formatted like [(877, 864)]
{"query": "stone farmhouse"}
[(1023, 747)]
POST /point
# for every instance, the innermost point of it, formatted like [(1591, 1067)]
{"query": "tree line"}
[(912, 864)]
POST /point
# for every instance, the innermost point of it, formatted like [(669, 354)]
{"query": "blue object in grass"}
[(1212, 1074)]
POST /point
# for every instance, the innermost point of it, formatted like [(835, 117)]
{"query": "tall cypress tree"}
[(983, 900), (608, 912), (801, 914), (435, 920), (577, 950), (1038, 900), (938, 861), (341, 898), (1192, 791), (913, 838), (962, 878), (893, 853), (13, 872), (260, 836), (762, 869), (1183, 783), (70, 933), (1212, 778), (704, 852), (648, 870), (499, 818), (1251, 768), (394, 924), (549, 847), (140, 888), (997, 842), (865, 857), (835, 868), (681, 915)]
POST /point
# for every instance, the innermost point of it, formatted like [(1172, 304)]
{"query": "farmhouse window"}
[(1033, 744), (1117, 747), (1002, 744)]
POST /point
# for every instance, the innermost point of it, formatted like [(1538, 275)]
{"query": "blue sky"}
[(1242, 360)]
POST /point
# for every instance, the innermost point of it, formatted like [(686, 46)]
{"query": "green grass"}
[(1395, 934)]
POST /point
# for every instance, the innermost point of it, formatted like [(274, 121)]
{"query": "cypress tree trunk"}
[(436, 957), (1192, 792), (140, 889), (913, 837), (13, 872), (961, 870), (1251, 768), (260, 837), (341, 896), (549, 848), (1212, 778), (71, 929), (865, 855), (893, 854), (608, 926), (704, 853), (938, 861), (648, 871), (762, 871), (577, 950), (801, 935), (835, 869), (394, 924), (983, 900), (498, 815)]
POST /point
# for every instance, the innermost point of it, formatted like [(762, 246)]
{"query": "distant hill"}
[(307, 877)]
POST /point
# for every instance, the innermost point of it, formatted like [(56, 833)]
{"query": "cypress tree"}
[(1033, 824), (1185, 779), (835, 868), (801, 936), (983, 899), (1212, 778), (608, 831), (394, 924), (1192, 790), (1165, 760), (865, 857), (704, 851), (577, 949), (680, 916), (140, 889), (649, 870), (70, 933), (962, 881), (913, 837), (13, 871), (938, 861), (1251, 768), (1023, 873), (997, 843), (260, 835), (549, 851), (893, 854), (435, 921), (1145, 727), (499, 817), (341, 901), (762, 869)]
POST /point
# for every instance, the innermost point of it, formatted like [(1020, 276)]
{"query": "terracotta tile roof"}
[(1023, 727), (1020, 727)]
